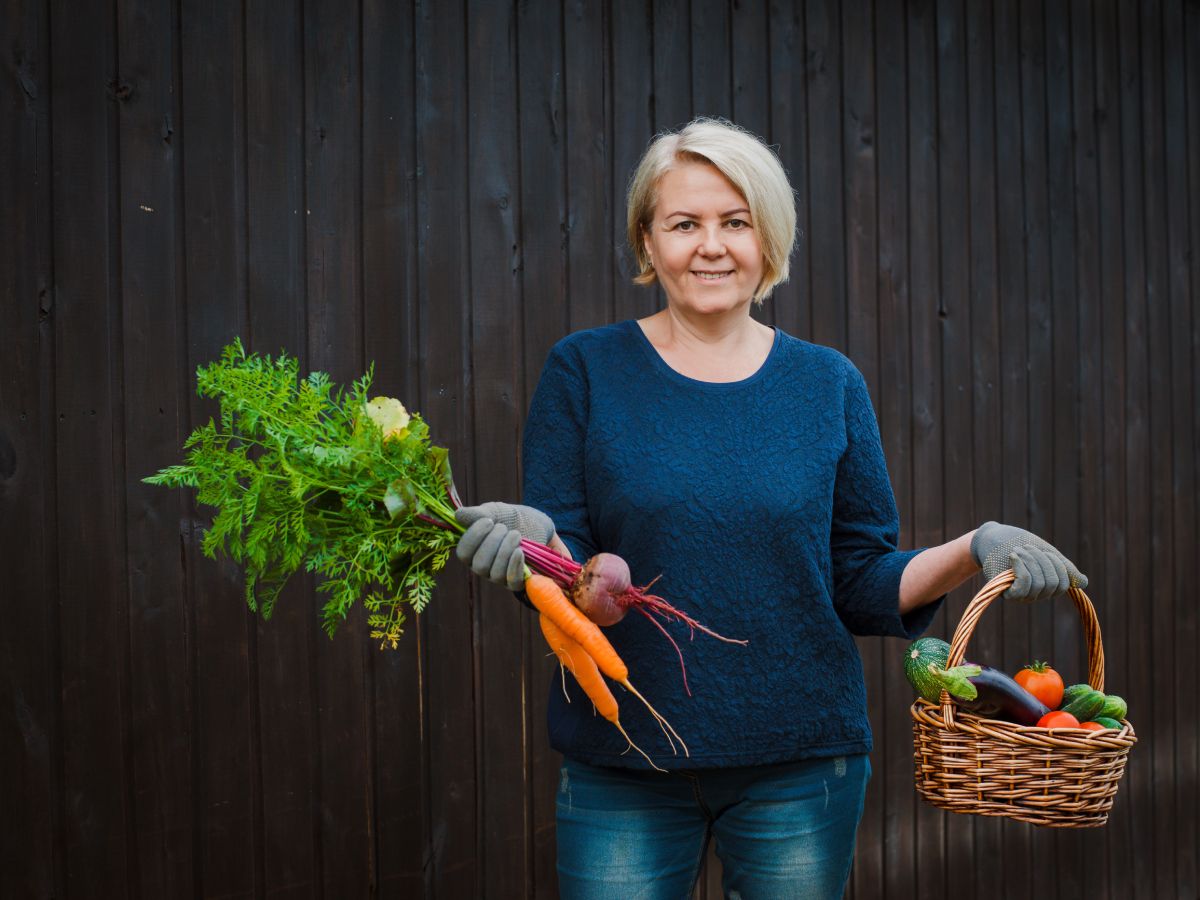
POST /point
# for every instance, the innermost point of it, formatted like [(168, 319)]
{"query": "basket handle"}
[(981, 601)]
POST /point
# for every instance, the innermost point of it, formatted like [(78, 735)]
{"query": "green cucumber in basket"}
[(1086, 706), (1107, 722), (1114, 707), (1073, 692)]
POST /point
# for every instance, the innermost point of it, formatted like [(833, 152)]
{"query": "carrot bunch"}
[(583, 649)]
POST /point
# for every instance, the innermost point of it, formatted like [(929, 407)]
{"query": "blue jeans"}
[(781, 831)]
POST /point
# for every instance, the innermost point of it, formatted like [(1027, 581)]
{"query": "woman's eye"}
[(685, 226), (737, 224)]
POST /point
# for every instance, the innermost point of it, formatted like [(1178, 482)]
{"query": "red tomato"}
[(1043, 682), (1058, 719), (1093, 726)]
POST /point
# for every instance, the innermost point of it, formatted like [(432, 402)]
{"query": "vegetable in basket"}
[(987, 692)]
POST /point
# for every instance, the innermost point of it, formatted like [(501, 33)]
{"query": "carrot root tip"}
[(662, 721)]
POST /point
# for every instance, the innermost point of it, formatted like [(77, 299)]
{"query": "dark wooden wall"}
[(1000, 205)]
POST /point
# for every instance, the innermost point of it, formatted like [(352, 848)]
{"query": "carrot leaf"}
[(305, 475)]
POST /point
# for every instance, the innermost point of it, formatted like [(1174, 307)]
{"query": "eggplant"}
[(1002, 698)]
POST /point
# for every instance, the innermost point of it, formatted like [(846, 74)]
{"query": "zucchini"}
[(925, 669), (1086, 706), (920, 655), (1107, 722), (1114, 707)]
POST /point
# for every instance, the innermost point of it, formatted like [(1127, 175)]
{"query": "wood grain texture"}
[(30, 855), (997, 215)]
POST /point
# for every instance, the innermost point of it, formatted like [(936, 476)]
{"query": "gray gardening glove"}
[(491, 545), (1041, 571)]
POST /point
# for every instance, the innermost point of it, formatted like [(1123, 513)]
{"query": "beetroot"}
[(598, 588)]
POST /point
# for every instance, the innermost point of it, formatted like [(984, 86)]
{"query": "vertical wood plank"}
[(979, 842), (983, 349), (751, 67), (1181, 190), (1138, 479), (151, 249), (333, 154), (790, 304), (495, 357), (634, 99), (444, 283), (891, 798), (214, 265), (1089, 351), (672, 85), (712, 48), (93, 636), (392, 340), (861, 189), (1072, 848), (1112, 590), (591, 217), (1036, 420), (276, 219), (547, 314), (827, 212), (863, 344), (928, 878), (29, 856), (1160, 621), (1013, 376)]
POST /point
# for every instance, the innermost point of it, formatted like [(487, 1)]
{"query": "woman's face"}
[(702, 241)]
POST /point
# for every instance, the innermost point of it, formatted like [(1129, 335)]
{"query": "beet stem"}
[(667, 635)]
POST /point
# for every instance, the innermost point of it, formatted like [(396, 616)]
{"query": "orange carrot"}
[(548, 598), (583, 667)]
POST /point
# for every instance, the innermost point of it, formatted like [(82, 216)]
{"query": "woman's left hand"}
[(1041, 571)]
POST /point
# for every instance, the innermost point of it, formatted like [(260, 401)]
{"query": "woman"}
[(745, 467)]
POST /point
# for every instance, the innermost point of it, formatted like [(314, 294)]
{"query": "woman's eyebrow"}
[(724, 215)]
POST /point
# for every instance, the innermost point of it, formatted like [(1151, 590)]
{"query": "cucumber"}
[(1072, 692), (1114, 707), (1107, 722), (1086, 706)]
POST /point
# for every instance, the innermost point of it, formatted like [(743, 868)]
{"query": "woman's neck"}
[(725, 348)]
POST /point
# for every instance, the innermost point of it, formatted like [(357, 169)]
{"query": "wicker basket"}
[(1061, 777)]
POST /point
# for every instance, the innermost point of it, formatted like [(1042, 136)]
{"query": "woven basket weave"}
[(1060, 777)]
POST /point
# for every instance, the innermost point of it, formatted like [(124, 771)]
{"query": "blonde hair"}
[(751, 167)]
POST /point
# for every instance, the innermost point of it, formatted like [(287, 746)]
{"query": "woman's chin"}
[(714, 305)]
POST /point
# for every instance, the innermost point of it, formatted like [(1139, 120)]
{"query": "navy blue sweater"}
[(765, 506)]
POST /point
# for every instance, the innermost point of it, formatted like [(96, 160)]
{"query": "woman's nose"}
[(712, 245)]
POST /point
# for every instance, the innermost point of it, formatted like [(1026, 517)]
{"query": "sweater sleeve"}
[(553, 450), (866, 562)]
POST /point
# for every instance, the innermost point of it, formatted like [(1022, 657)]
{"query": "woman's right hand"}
[(491, 545)]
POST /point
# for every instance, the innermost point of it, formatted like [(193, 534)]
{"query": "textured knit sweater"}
[(765, 507)]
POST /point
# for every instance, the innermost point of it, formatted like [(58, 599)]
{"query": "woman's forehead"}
[(693, 183)]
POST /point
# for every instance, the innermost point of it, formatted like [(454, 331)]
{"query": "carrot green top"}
[(765, 506)]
